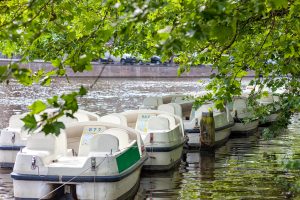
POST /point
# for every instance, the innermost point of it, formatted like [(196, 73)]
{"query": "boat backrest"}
[(103, 143), (156, 123), (153, 102), (171, 119), (54, 145), (178, 109), (142, 121), (240, 105), (266, 99), (15, 121), (114, 118), (167, 108), (87, 136), (203, 108), (220, 119), (121, 134), (178, 99)]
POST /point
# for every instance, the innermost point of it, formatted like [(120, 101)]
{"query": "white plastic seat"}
[(171, 119), (48, 147), (178, 99), (177, 108), (240, 106), (15, 121), (167, 108), (142, 122), (152, 102), (158, 123), (104, 143), (114, 118), (121, 134), (87, 136)]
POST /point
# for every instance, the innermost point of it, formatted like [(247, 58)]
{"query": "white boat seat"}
[(47, 145), (171, 119), (178, 99), (104, 143), (142, 122), (167, 108), (114, 118), (156, 123), (121, 134), (240, 105), (152, 101), (204, 108), (15, 121), (177, 108), (87, 136)]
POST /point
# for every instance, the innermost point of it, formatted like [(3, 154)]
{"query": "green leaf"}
[(29, 122), (82, 91), (53, 128), (37, 107)]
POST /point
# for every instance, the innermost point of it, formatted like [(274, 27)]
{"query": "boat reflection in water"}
[(161, 185)]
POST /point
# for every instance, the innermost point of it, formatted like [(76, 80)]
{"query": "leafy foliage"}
[(234, 37), (66, 104)]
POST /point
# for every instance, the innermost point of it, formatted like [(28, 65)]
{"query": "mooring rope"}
[(73, 179)]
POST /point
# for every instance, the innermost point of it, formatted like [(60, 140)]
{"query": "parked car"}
[(128, 59), (155, 60)]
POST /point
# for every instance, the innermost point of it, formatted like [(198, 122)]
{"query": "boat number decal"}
[(89, 132), (142, 122)]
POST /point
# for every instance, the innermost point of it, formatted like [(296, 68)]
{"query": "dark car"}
[(155, 60), (128, 59)]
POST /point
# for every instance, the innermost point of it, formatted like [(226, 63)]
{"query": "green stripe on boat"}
[(128, 158)]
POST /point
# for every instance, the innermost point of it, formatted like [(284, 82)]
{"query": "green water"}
[(244, 168)]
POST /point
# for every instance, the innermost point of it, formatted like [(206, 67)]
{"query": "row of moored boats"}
[(102, 157)]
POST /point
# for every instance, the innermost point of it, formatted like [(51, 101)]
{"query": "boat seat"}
[(178, 99), (104, 143), (142, 122), (177, 108), (87, 136), (167, 108), (15, 121), (114, 118), (121, 134), (240, 105), (204, 108), (152, 102), (171, 119), (158, 123), (48, 147)]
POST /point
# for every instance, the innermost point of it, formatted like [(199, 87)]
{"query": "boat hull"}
[(163, 158), (8, 155), (221, 137), (241, 128), (108, 187), (123, 189), (269, 120)]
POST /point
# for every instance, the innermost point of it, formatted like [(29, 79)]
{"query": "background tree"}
[(234, 36)]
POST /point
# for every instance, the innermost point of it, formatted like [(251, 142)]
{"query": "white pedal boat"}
[(162, 134), (245, 122), (14, 137), (223, 122), (108, 165), (271, 98)]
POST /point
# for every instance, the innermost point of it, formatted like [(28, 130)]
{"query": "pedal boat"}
[(108, 165), (14, 137), (245, 122), (219, 131), (162, 134)]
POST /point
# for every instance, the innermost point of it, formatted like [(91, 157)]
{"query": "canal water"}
[(244, 168)]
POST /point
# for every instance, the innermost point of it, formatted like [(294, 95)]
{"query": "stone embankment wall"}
[(126, 71)]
